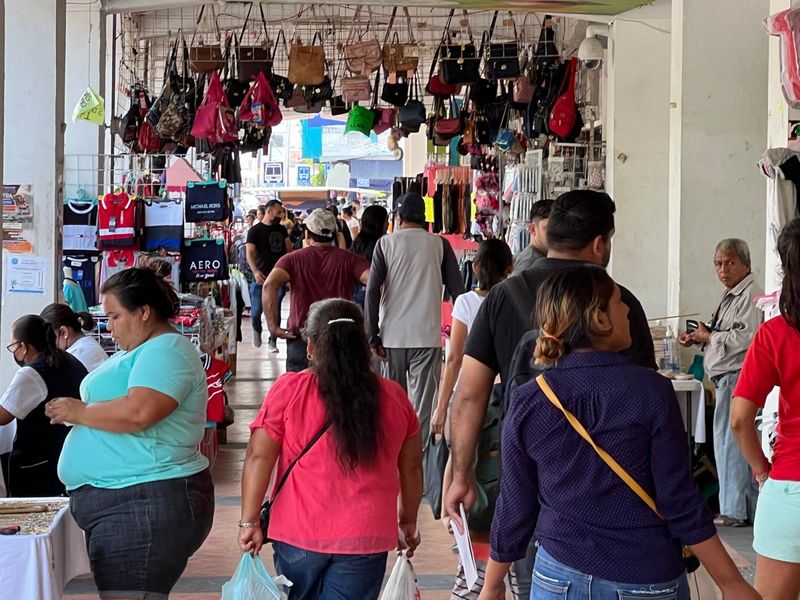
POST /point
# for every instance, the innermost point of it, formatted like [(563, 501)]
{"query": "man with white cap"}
[(403, 308), (317, 272)]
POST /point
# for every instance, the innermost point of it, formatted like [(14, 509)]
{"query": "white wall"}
[(637, 117), (33, 139), (718, 130)]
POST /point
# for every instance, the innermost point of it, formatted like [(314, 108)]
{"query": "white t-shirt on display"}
[(466, 308), (89, 351), (26, 392)]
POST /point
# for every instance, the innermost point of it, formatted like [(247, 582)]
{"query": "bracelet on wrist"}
[(248, 524)]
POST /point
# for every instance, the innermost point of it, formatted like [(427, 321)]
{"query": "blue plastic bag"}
[(252, 581)]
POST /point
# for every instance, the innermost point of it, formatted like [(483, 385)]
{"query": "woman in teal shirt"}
[(138, 485)]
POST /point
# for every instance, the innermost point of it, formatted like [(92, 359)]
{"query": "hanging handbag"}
[(502, 61), (385, 119), (356, 89), (546, 56), (208, 114), (395, 54), (460, 63), (265, 508), (307, 63), (413, 114), (235, 90), (436, 86), (147, 139), (435, 461), (161, 103), (205, 59), (362, 57), (395, 92), (338, 106), (690, 561), (483, 130), (565, 110), (483, 92), (260, 107), (252, 60), (452, 126), (297, 99), (131, 122), (360, 119), (281, 85)]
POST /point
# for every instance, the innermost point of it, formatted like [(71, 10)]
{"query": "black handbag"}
[(413, 115), (460, 63), (396, 93), (265, 508), (502, 60), (483, 92), (253, 59), (315, 94), (435, 461), (338, 106), (281, 86)]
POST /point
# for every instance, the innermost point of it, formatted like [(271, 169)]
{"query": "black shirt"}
[(270, 243), (501, 321)]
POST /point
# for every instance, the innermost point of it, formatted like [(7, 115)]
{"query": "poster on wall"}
[(25, 275), (18, 205)]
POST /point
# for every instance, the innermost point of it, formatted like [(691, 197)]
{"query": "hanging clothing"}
[(782, 193), (84, 273), (116, 219), (163, 226), (115, 261), (80, 225), (73, 296)]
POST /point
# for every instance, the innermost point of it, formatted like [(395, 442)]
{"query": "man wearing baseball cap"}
[(317, 272), (404, 303)]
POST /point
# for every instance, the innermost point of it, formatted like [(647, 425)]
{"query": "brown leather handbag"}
[(202, 58), (396, 57), (356, 89), (307, 63), (362, 57)]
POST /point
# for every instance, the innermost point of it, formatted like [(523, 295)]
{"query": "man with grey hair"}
[(725, 341)]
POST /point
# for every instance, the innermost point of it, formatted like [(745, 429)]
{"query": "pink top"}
[(321, 508)]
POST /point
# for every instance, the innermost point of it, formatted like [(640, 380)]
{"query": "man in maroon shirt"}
[(315, 273)]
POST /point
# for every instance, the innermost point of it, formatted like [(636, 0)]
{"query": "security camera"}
[(591, 52)]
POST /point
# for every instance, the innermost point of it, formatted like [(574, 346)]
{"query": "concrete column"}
[(718, 126), (86, 65), (637, 138), (34, 143)]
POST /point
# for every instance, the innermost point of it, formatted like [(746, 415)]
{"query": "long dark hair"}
[(35, 331), (492, 262), (789, 251), (373, 228), (348, 386), (137, 287), (61, 315), (565, 306)]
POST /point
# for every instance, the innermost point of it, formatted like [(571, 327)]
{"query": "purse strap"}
[(441, 43), (292, 464), (389, 26), (281, 35), (607, 458)]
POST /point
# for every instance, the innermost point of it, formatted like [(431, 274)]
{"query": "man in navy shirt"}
[(579, 231)]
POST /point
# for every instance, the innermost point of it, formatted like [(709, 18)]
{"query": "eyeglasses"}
[(13, 347)]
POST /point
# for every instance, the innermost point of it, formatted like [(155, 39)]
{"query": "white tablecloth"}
[(695, 393), (39, 566)]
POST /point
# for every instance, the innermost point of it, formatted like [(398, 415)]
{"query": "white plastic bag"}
[(252, 581), (402, 583)]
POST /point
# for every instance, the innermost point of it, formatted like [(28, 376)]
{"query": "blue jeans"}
[(735, 481), (553, 580), (256, 307), (316, 576), (140, 537)]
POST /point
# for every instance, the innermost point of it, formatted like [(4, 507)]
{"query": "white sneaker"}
[(256, 339), (272, 347)]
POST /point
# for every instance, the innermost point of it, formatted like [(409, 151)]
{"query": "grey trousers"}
[(418, 370)]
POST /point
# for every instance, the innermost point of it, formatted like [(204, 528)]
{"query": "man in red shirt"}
[(315, 273)]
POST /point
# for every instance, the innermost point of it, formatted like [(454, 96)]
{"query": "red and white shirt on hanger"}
[(116, 220)]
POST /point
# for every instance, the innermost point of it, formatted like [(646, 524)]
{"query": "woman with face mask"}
[(45, 373)]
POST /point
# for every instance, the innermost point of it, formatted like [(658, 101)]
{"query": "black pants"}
[(296, 355)]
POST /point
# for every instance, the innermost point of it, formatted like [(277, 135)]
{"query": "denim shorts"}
[(139, 538), (776, 530), (553, 580)]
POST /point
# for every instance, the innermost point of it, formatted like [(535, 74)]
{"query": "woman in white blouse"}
[(70, 328)]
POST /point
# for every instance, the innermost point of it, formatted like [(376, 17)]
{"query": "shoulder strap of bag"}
[(445, 36), (292, 464), (607, 458), (389, 26)]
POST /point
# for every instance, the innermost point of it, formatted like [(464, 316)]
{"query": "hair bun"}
[(549, 350)]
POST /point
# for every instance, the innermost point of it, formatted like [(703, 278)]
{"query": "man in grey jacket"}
[(725, 341), (404, 303)]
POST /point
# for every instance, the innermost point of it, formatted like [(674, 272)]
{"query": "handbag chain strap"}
[(607, 458)]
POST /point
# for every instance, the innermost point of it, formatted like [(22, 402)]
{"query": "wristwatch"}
[(248, 524)]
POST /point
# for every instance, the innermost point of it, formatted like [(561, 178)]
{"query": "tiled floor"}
[(217, 559)]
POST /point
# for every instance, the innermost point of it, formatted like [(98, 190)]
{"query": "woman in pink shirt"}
[(338, 515)]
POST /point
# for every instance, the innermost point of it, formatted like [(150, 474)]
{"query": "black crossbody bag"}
[(265, 508)]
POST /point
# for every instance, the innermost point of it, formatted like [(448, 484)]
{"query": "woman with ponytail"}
[(70, 329), (45, 373), (599, 538), (338, 515)]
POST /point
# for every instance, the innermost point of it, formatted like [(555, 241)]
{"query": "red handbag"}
[(147, 138), (565, 110), (385, 121), (260, 106), (207, 115)]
